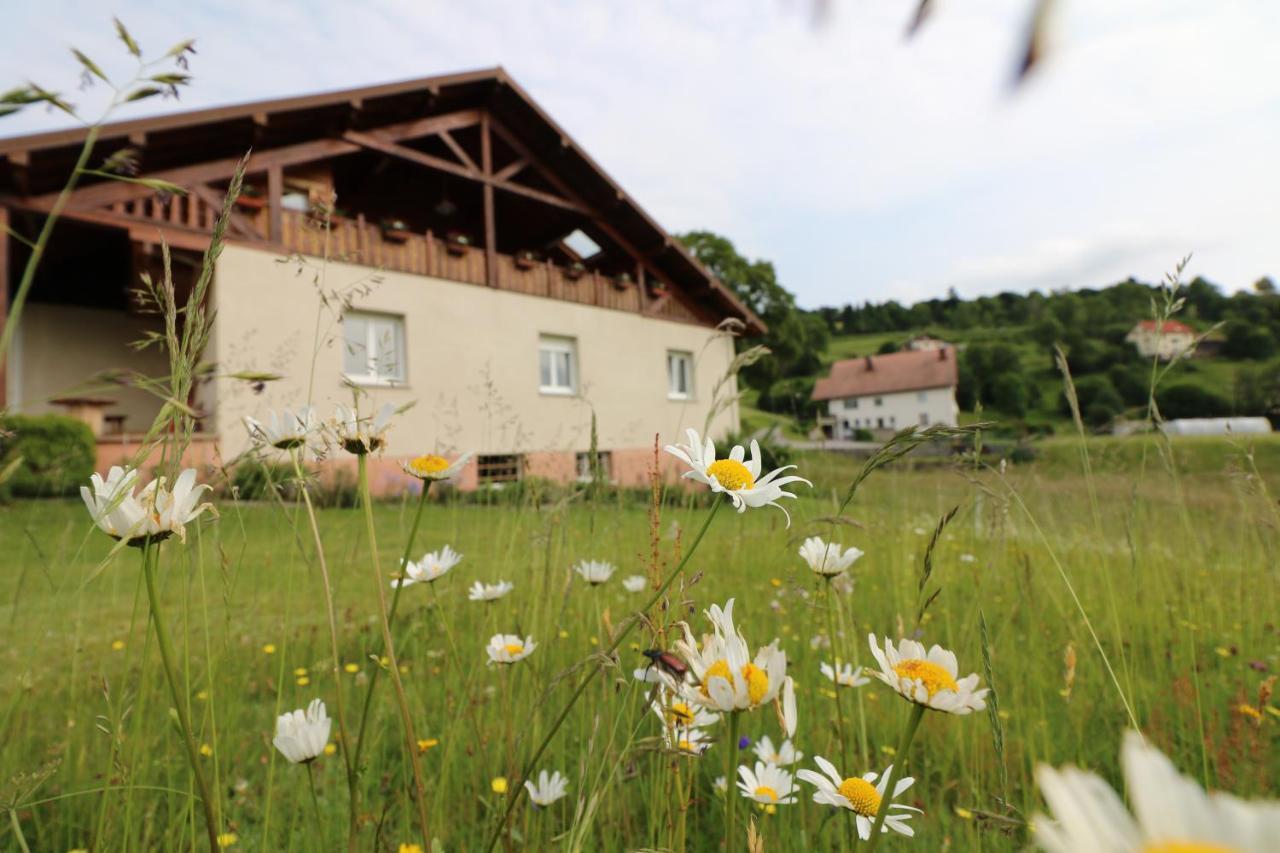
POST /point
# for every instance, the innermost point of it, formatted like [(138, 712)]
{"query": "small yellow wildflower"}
[(410, 848), (775, 582), (117, 645), (330, 748), (351, 667), (888, 750), (963, 813), (303, 681), (1003, 714), (269, 649), (1223, 652), (300, 671), (424, 745), (564, 635), (227, 839), (1247, 710), (499, 784), (595, 641), (206, 750), (203, 695)]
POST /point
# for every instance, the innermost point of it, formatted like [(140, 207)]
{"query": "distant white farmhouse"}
[(1165, 341), (883, 393)]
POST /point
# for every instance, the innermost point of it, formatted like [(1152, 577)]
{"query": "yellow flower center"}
[(514, 648), (686, 746), (766, 791), (1186, 847), (757, 679), (680, 714), (932, 676), (731, 474), (429, 464), (862, 795)]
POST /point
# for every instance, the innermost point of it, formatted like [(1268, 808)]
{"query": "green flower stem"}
[(353, 789), (899, 759), (730, 773), (836, 686), (150, 556), (391, 618), (315, 801), (406, 716), (591, 674)]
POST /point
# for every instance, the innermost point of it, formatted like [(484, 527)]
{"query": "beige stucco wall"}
[(472, 361), (61, 347)]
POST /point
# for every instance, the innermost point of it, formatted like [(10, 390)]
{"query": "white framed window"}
[(557, 365), (851, 403), (924, 419), (879, 401), (679, 375), (582, 462), (373, 348)]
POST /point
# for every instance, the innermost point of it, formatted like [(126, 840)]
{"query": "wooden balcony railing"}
[(360, 242)]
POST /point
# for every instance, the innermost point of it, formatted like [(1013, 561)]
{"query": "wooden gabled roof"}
[(34, 167)]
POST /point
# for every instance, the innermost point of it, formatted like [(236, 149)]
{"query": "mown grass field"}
[(1174, 581)]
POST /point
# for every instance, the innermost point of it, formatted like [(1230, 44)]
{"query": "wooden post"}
[(275, 208), (4, 302), (640, 287), (490, 231)]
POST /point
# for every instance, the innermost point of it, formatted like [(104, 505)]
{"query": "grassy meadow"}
[(1107, 598)]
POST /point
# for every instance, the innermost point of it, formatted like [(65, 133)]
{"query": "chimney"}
[(870, 364), (942, 353)]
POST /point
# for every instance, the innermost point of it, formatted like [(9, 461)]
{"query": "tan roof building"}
[(476, 260)]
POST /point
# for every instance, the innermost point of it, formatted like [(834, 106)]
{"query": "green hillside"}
[(1229, 385)]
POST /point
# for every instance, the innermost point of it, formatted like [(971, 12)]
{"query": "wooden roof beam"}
[(374, 143)]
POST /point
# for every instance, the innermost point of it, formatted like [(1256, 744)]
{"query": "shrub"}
[(1247, 340), (252, 480), (1099, 400), (863, 434), (58, 455), (790, 397), (1184, 400)]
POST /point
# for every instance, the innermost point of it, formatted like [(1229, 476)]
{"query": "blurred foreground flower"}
[(828, 559), (595, 572), (151, 516), (301, 736), (740, 480), (548, 789), (845, 675), (285, 431), (433, 566), (509, 648), (489, 591), (1171, 812), (784, 756), (431, 467), (635, 583), (361, 436)]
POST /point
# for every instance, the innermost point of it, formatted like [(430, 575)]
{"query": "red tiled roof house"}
[(890, 392)]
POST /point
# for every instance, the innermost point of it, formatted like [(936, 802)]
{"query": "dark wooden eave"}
[(202, 142)]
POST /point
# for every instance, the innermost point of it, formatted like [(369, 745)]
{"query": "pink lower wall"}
[(630, 466)]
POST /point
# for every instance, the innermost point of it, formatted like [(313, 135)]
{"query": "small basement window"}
[(584, 466), (373, 351), (501, 468)]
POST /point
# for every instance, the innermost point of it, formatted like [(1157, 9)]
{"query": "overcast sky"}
[(866, 166)]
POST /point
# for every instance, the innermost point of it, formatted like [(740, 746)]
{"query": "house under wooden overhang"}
[(440, 240)]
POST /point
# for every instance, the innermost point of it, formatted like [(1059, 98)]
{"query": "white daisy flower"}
[(509, 648), (968, 558), (676, 712), (720, 786), (728, 678), (828, 559), (1171, 812), (784, 756), (430, 467), (549, 788), (693, 741), (595, 572), (845, 675), (285, 431), (301, 736), (740, 480), (766, 783), (864, 796), (927, 678), (489, 591), (153, 515), (431, 567), (635, 583), (359, 435)]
